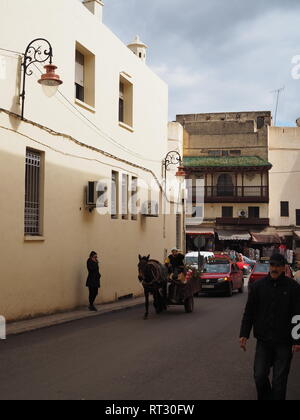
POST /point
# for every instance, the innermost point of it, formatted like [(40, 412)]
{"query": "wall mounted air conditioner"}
[(150, 209), (96, 195)]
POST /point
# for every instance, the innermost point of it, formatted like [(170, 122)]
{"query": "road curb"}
[(21, 327)]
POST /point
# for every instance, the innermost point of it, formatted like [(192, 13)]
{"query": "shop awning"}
[(297, 234), (226, 235), (285, 233), (264, 238), (200, 231)]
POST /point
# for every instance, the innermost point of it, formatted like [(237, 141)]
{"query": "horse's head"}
[(142, 267)]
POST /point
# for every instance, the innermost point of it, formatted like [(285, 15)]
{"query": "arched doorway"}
[(225, 187)]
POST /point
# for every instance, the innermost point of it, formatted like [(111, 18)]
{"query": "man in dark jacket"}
[(93, 280), (272, 304), (176, 261)]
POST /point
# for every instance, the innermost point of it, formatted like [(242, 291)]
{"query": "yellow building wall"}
[(48, 275)]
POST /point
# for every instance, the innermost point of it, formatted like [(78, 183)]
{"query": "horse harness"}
[(156, 274)]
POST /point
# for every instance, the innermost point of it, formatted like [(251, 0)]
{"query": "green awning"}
[(225, 161)]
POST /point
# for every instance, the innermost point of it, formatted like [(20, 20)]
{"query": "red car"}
[(262, 269), (222, 276)]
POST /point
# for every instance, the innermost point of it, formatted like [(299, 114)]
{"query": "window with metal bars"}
[(32, 225)]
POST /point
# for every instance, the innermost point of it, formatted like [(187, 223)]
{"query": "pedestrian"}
[(297, 274), (93, 280), (272, 304)]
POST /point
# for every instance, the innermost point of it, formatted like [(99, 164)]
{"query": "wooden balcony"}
[(241, 194), (242, 221)]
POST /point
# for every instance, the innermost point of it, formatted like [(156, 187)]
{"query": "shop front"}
[(207, 239), (228, 240)]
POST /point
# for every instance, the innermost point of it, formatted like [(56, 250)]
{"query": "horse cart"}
[(182, 289), (178, 288)]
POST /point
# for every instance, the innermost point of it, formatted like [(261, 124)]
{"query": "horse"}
[(153, 276)]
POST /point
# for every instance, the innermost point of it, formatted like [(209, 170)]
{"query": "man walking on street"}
[(93, 280), (272, 304)]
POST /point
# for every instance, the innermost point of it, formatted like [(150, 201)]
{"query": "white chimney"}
[(138, 48), (95, 7)]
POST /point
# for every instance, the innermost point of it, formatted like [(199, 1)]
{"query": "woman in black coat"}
[(93, 280)]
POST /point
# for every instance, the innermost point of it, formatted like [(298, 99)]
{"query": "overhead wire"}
[(106, 136)]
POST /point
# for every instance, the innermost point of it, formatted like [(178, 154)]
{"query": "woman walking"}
[(93, 280)]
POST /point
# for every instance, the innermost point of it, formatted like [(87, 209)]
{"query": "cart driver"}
[(176, 261)]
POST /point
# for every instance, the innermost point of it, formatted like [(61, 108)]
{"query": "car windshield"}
[(262, 268), (217, 268), (191, 260)]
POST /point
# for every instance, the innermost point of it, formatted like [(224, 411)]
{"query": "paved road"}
[(120, 357)]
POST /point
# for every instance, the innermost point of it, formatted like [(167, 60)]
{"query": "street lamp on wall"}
[(181, 174), (39, 54), (174, 159)]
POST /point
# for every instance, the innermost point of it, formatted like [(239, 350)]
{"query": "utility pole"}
[(278, 91)]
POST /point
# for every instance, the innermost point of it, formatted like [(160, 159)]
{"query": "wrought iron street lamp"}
[(40, 51), (173, 158)]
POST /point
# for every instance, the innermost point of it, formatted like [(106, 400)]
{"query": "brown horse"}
[(153, 276)]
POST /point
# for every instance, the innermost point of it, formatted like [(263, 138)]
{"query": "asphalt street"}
[(119, 356)]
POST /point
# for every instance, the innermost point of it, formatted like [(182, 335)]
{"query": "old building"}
[(226, 156), (284, 153), (107, 127)]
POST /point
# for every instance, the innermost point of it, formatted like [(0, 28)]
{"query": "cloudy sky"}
[(218, 55)]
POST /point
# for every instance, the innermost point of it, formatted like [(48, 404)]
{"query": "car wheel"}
[(189, 305), (241, 289), (230, 290)]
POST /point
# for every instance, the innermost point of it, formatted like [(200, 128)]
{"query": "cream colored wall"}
[(175, 143), (112, 58), (213, 211), (284, 154), (49, 275)]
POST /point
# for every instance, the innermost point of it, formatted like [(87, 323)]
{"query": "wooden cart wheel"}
[(189, 305)]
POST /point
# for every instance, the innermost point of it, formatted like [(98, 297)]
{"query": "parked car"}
[(222, 276), (262, 269), (191, 259)]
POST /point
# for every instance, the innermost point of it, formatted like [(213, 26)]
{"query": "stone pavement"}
[(20, 327)]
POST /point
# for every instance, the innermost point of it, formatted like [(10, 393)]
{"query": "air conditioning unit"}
[(94, 191), (243, 213), (91, 194), (150, 209)]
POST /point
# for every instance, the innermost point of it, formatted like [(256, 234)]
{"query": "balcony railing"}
[(240, 194), (243, 221)]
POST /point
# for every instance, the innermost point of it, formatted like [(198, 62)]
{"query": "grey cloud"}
[(217, 55)]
